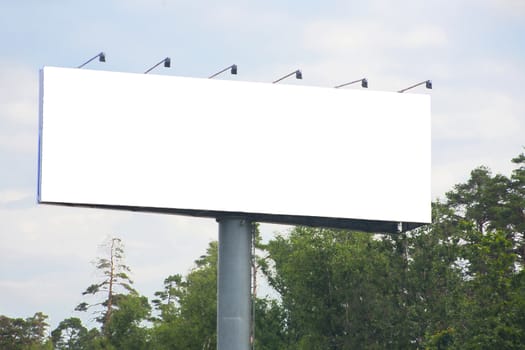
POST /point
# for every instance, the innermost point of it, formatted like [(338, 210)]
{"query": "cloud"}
[(454, 163), (477, 107), (51, 249), (390, 55), (479, 114), (477, 110), (18, 93), (19, 141), (507, 7), (18, 108), (333, 37), (54, 293), (10, 196), (51, 231)]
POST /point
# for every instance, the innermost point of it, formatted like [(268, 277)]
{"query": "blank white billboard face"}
[(276, 153)]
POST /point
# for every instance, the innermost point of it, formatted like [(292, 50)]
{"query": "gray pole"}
[(233, 284)]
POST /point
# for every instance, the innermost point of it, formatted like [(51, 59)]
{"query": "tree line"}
[(458, 283)]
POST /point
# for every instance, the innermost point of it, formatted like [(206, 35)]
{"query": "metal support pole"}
[(233, 284)]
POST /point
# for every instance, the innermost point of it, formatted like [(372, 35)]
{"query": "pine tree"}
[(114, 284)]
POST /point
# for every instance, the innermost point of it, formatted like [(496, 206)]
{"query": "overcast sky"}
[(472, 50)]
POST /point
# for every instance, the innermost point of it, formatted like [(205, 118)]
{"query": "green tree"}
[(188, 307), (336, 289), (122, 310), (24, 334), (70, 334), (270, 325), (482, 199), (167, 300), (516, 206), (493, 202), (432, 282), (114, 284), (125, 329), (456, 284), (489, 313), (487, 213)]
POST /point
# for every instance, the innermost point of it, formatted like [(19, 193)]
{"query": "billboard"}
[(271, 152)]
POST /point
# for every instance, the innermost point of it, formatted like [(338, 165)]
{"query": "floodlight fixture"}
[(298, 75), (101, 57), (428, 85), (364, 83), (232, 68), (166, 61)]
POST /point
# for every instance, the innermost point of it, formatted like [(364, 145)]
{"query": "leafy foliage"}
[(123, 309), (187, 306), (124, 329), (458, 283), (70, 334), (114, 278), (24, 334)]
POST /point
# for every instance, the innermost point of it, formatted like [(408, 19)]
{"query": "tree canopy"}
[(458, 283)]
